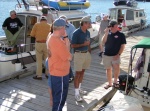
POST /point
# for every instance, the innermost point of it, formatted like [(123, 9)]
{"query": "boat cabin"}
[(128, 17), (29, 18)]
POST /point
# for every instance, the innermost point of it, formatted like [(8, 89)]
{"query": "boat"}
[(143, 0), (22, 61), (141, 86), (67, 4), (129, 17), (133, 93)]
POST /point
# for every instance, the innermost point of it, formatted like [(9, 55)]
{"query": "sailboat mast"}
[(26, 5), (19, 3)]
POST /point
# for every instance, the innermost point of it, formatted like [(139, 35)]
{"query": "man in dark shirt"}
[(12, 23), (114, 44)]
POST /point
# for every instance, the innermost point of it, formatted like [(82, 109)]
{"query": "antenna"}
[(19, 3)]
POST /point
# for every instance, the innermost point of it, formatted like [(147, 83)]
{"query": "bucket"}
[(17, 66)]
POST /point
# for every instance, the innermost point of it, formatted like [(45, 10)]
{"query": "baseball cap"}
[(43, 18), (63, 16), (60, 22), (112, 23), (12, 12), (86, 19)]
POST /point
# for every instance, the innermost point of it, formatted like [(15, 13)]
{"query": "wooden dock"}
[(27, 94)]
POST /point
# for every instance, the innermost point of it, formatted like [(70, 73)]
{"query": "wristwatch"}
[(66, 36)]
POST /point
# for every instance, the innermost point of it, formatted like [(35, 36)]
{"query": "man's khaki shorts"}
[(108, 61), (82, 61)]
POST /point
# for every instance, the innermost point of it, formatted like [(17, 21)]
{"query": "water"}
[(97, 7)]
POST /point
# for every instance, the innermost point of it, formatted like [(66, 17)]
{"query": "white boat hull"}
[(121, 102)]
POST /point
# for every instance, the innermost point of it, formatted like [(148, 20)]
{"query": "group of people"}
[(54, 44)]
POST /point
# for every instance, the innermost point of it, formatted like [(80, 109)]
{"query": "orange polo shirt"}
[(58, 63)]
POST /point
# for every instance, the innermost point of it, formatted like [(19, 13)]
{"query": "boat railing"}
[(23, 47), (2, 45), (53, 11), (95, 17), (28, 3)]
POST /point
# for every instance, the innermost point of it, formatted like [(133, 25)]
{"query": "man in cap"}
[(40, 31), (12, 23), (82, 58), (114, 44), (59, 63), (103, 25), (46, 14), (69, 30)]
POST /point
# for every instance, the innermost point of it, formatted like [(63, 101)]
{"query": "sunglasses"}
[(14, 14)]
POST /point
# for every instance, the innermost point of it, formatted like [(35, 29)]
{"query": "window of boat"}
[(22, 33), (76, 23), (130, 15), (31, 20), (137, 14), (113, 14), (121, 15), (22, 18), (141, 14)]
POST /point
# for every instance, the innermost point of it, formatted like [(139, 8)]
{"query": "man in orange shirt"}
[(59, 63)]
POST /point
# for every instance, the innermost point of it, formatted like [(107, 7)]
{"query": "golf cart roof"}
[(144, 43)]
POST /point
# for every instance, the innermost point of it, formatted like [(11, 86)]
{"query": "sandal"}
[(107, 86), (46, 76), (37, 78), (116, 85)]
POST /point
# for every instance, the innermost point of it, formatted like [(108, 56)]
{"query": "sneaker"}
[(100, 54), (82, 92), (71, 79), (78, 98)]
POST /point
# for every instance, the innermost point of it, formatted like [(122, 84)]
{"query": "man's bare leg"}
[(116, 68), (81, 76), (77, 79), (109, 76)]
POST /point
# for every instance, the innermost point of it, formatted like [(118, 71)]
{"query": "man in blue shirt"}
[(69, 29), (82, 58)]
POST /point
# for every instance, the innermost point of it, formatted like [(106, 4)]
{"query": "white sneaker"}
[(82, 92), (78, 98)]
